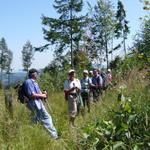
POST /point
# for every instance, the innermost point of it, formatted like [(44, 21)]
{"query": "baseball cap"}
[(85, 71), (91, 72), (71, 70), (109, 70)]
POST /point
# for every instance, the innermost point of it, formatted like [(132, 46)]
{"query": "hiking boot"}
[(57, 137)]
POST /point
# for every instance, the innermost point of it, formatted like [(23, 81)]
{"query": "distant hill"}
[(14, 77)]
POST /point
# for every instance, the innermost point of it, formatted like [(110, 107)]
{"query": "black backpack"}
[(22, 96)]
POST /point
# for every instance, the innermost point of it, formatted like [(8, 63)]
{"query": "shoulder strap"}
[(98, 80)]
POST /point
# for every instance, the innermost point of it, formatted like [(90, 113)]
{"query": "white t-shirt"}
[(68, 84)]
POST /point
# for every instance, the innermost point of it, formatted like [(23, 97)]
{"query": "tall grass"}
[(19, 133)]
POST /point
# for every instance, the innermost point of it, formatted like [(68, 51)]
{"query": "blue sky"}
[(21, 21)]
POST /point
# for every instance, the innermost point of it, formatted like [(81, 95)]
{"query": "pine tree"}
[(27, 55), (103, 28), (9, 60), (122, 28), (65, 31), (8, 64), (4, 56), (142, 43)]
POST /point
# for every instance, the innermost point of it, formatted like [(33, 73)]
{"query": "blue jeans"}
[(41, 115)]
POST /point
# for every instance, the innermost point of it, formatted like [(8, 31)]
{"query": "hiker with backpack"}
[(85, 89), (72, 87), (91, 91), (109, 78), (35, 104), (104, 77), (96, 85)]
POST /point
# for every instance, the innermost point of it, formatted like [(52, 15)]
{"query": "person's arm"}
[(100, 81), (30, 89), (79, 85), (66, 87), (91, 84), (39, 95), (69, 90)]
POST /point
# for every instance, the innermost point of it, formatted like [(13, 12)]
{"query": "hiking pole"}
[(48, 105)]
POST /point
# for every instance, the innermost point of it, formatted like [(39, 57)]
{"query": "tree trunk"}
[(1, 76), (106, 46), (112, 44), (71, 46), (124, 44)]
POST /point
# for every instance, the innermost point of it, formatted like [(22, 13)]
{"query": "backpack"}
[(85, 84), (97, 79), (104, 77), (22, 96)]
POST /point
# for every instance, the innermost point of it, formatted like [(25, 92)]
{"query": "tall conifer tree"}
[(122, 28), (27, 55), (65, 31), (5, 57), (102, 28)]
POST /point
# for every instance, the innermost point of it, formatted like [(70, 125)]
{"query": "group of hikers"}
[(78, 93), (83, 92)]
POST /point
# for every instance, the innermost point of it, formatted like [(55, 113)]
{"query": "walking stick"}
[(48, 105)]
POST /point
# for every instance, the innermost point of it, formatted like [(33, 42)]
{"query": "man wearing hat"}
[(35, 103), (85, 89), (71, 88), (109, 77)]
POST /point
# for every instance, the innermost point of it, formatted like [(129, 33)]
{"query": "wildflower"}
[(129, 99), (122, 88)]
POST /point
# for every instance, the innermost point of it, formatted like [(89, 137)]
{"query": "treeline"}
[(6, 57), (91, 35), (81, 40)]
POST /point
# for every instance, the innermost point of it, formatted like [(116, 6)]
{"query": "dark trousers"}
[(96, 94), (85, 98)]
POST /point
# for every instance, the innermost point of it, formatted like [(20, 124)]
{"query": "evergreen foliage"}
[(121, 29), (102, 28), (6, 57), (65, 32), (27, 55)]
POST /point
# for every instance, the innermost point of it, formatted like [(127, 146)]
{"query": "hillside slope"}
[(112, 124)]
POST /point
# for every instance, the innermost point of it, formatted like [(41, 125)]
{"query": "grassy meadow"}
[(17, 132)]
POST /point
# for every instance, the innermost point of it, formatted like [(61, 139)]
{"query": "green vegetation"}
[(114, 122), (120, 120), (6, 56)]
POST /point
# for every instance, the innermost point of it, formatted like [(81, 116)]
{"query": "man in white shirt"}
[(71, 88)]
